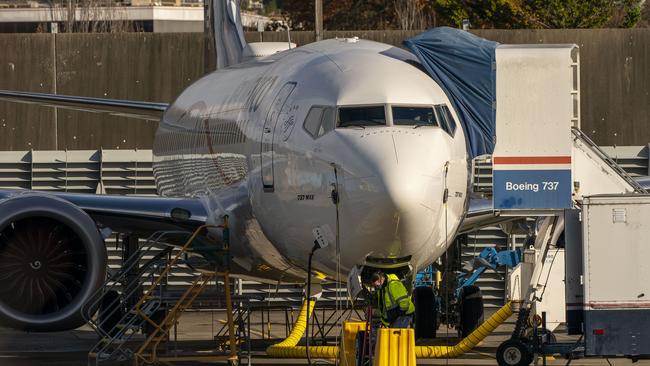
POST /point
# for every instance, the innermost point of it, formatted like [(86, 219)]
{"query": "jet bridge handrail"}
[(607, 159)]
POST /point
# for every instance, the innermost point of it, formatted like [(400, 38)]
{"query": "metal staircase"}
[(148, 351), (579, 135), (134, 318), (114, 324)]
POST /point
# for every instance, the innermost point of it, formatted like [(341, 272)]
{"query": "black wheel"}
[(110, 312), (426, 312), (514, 353), (471, 310)]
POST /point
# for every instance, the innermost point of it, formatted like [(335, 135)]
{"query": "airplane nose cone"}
[(414, 187), (402, 200)]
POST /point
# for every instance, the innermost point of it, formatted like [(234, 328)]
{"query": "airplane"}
[(347, 136)]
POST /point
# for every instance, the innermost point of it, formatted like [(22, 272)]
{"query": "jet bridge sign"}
[(537, 105), (532, 182)]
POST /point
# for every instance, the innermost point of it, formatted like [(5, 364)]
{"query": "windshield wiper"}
[(353, 125), (420, 125), (374, 122)]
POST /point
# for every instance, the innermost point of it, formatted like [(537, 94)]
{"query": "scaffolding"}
[(136, 313)]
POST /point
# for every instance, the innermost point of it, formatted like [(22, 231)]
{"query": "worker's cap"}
[(375, 276)]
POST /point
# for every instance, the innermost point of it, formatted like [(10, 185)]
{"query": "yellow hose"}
[(468, 342), (288, 348)]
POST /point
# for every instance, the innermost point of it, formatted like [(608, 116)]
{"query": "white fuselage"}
[(237, 138)]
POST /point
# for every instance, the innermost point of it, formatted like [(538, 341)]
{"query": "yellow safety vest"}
[(391, 296)]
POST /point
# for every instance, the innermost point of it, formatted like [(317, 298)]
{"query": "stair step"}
[(127, 326), (112, 341), (99, 356)]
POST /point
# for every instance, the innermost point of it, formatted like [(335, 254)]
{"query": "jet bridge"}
[(544, 166), (542, 161)]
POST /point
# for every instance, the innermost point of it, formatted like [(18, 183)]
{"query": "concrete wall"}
[(615, 74), (176, 26), (26, 64), (152, 67)]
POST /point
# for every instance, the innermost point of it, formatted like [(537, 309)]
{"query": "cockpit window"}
[(446, 119), (361, 116), (411, 116), (319, 121), (328, 120), (313, 121)]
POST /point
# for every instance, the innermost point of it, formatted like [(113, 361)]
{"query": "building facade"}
[(159, 16)]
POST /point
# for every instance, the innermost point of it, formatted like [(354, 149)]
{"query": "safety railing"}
[(609, 161), (133, 299)]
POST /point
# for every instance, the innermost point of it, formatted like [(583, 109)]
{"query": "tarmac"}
[(19, 348)]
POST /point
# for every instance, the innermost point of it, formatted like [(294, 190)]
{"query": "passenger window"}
[(412, 116), (313, 121), (361, 116), (446, 119)]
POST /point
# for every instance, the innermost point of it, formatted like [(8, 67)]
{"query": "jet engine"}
[(52, 260)]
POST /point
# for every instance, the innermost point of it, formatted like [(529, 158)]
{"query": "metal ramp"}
[(596, 172), (134, 317)]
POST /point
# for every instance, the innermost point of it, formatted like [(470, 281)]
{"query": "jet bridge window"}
[(319, 121), (414, 116), (361, 116), (445, 119)]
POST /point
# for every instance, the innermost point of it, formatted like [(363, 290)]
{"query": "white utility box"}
[(616, 274)]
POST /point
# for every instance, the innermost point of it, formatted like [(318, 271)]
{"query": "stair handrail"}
[(117, 278), (610, 162), (191, 293), (107, 340), (173, 262)]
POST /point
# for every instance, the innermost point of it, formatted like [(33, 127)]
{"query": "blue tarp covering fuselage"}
[(462, 64)]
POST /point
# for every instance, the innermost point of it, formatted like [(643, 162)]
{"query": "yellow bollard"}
[(347, 353), (395, 347)]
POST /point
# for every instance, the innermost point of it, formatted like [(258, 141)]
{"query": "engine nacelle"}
[(52, 260)]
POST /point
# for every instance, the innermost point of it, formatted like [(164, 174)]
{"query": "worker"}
[(393, 301)]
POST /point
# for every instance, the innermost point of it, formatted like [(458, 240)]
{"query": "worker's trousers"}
[(403, 321)]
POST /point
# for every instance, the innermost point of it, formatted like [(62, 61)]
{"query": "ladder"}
[(114, 325), (148, 351), (145, 312)]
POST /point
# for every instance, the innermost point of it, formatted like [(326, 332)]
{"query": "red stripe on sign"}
[(532, 160), (615, 305), (633, 305)]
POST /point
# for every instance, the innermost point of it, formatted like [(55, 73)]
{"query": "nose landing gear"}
[(514, 352)]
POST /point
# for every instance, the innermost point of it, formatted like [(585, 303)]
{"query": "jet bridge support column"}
[(538, 105)]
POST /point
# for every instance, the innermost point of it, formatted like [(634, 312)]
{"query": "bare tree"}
[(93, 16), (413, 14)]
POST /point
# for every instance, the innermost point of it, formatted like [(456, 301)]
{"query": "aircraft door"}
[(268, 135)]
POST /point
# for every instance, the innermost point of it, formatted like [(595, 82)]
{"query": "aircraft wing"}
[(124, 108), (130, 214)]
